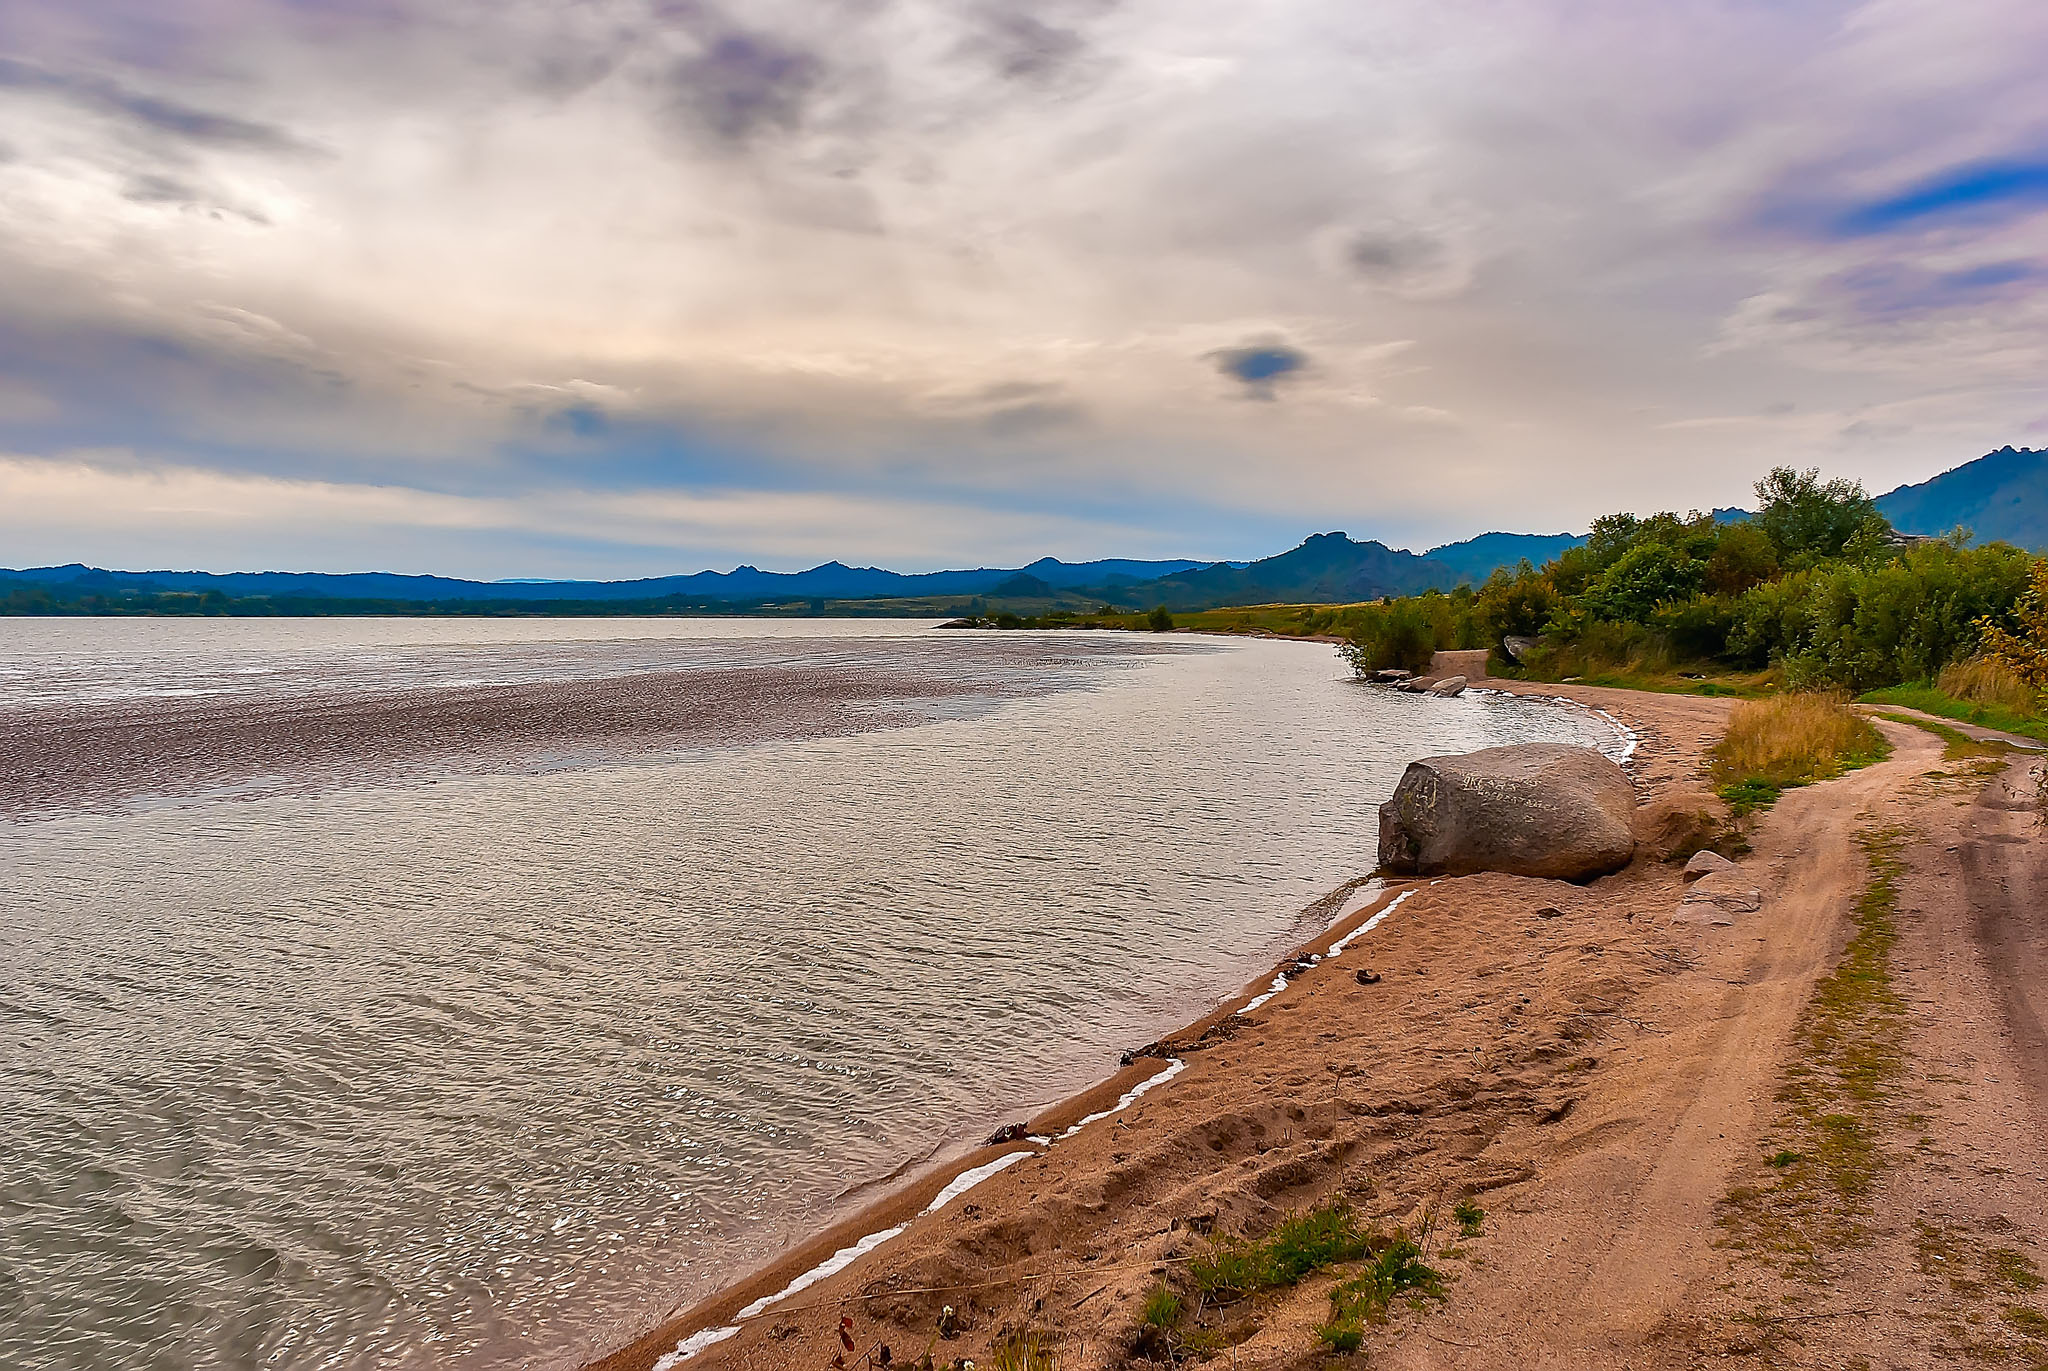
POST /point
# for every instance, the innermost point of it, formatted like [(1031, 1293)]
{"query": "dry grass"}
[(1983, 681), (1789, 740)]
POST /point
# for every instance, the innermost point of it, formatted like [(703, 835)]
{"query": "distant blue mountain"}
[(833, 581), (2002, 496), (1475, 559)]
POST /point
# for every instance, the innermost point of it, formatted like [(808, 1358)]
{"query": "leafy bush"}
[(2021, 646)]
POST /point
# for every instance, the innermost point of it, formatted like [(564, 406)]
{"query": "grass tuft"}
[(1364, 1299), (1162, 1307), (1774, 745), (1982, 681), (1299, 1245)]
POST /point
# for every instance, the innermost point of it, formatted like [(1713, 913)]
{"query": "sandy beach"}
[(1609, 1083)]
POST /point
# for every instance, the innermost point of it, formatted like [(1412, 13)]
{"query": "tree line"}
[(1816, 588)]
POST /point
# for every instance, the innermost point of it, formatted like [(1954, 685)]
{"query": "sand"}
[(1600, 1078), (99, 757)]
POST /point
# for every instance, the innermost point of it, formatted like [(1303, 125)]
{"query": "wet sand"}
[(1598, 1077), (56, 759)]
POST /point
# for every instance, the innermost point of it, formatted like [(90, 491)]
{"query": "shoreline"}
[(685, 1334), (680, 1337)]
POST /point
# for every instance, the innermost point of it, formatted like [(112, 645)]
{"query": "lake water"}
[(455, 1066)]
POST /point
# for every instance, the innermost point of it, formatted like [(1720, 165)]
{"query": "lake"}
[(463, 993)]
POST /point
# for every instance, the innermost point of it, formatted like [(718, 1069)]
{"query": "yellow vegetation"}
[(1789, 740), (1987, 681)]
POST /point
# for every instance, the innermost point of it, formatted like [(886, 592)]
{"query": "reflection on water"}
[(494, 1070)]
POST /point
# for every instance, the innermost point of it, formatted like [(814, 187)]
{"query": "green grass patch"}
[(1299, 1245), (1162, 1307), (1837, 1096), (1956, 746), (1364, 1299), (1930, 699), (1470, 1217)]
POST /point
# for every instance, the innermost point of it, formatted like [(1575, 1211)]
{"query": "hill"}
[(1475, 559), (1328, 568), (2002, 496)]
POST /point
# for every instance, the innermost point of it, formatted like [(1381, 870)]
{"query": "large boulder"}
[(1533, 809)]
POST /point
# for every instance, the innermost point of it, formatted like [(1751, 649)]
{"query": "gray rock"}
[(1516, 644), (1532, 809), (1706, 863), (1720, 893), (1448, 686), (1392, 673)]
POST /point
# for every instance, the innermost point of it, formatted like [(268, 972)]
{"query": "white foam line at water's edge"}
[(1279, 984), (839, 1261), (1130, 1097), (1368, 892), (1368, 926), (967, 1180)]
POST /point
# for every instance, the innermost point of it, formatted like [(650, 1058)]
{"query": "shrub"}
[(1159, 621), (2021, 646)]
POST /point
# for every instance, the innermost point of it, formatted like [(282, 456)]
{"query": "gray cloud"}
[(153, 113), (742, 85), (1024, 47)]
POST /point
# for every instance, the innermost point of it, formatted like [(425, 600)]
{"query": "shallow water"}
[(495, 1069)]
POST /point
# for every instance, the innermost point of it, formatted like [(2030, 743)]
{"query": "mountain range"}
[(2002, 495)]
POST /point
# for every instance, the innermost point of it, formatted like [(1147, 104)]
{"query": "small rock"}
[(1725, 892), (1009, 1132), (1392, 673), (1449, 686), (1706, 863), (1550, 911), (1368, 978)]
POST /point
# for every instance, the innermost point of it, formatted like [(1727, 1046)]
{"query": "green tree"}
[(1159, 620), (1644, 579), (1807, 519), (1518, 602)]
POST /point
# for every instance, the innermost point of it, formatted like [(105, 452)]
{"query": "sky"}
[(611, 288)]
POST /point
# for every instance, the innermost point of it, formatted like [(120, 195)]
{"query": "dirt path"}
[(1621, 1092)]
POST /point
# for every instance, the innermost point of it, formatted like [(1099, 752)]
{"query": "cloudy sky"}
[(625, 287)]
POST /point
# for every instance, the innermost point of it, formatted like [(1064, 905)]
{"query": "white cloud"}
[(933, 255)]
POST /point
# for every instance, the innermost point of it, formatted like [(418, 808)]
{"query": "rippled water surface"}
[(469, 1070)]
